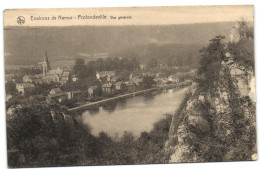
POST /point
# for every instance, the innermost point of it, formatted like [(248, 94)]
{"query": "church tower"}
[(45, 65)]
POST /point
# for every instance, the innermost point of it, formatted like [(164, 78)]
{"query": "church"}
[(59, 75)]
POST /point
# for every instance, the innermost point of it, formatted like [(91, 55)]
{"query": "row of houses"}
[(26, 88), (110, 81), (59, 75), (119, 86), (111, 85), (55, 95), (159, 78)]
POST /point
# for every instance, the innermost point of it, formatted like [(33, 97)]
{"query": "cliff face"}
[(219, 126)]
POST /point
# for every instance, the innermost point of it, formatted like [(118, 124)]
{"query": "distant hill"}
[(162, 52), (27, 45)]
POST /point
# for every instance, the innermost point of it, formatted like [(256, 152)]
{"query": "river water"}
[(134, 114)]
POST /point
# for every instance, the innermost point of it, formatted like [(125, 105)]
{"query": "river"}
[(134, 114)]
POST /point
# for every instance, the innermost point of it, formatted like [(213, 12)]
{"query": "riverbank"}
[(133, 114), (182, 84)]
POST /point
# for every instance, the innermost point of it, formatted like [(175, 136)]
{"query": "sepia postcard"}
[(129, 85)]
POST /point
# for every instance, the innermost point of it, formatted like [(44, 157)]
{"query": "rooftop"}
[(107, 85), (57, 90)]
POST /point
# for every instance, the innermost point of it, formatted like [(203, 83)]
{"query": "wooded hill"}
[(27, 45)]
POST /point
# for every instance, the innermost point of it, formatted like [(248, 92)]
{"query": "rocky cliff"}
[(218, 120)]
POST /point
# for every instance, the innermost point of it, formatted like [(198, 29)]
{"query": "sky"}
[(138, 15)]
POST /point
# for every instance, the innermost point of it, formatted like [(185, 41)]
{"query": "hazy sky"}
[(139, 15)]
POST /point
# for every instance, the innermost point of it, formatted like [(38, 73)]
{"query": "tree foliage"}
[(148, 81), (243, 49), (49, 136), (79, 65), (210, 64), (10, 88)]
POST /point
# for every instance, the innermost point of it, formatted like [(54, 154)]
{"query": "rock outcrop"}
[(219, 126), (211, 123)]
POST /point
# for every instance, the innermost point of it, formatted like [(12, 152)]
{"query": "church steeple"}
[(46, 65), (46, 57)]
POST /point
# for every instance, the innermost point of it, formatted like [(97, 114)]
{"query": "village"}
[(49, 86)]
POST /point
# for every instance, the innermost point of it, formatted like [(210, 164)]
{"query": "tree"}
[(135, 63), (242, 46), (210, 64), (123, 75), (46, 138), (45, 88), (79, 65), (153, 63), (10, 88), (148, 81)]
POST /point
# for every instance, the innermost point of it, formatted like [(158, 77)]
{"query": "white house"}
[(25, 87)]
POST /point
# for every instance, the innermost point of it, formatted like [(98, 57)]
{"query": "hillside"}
[(27, 45), (185, 52)]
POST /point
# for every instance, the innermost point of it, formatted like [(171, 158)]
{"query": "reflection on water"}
[(135, 114)]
